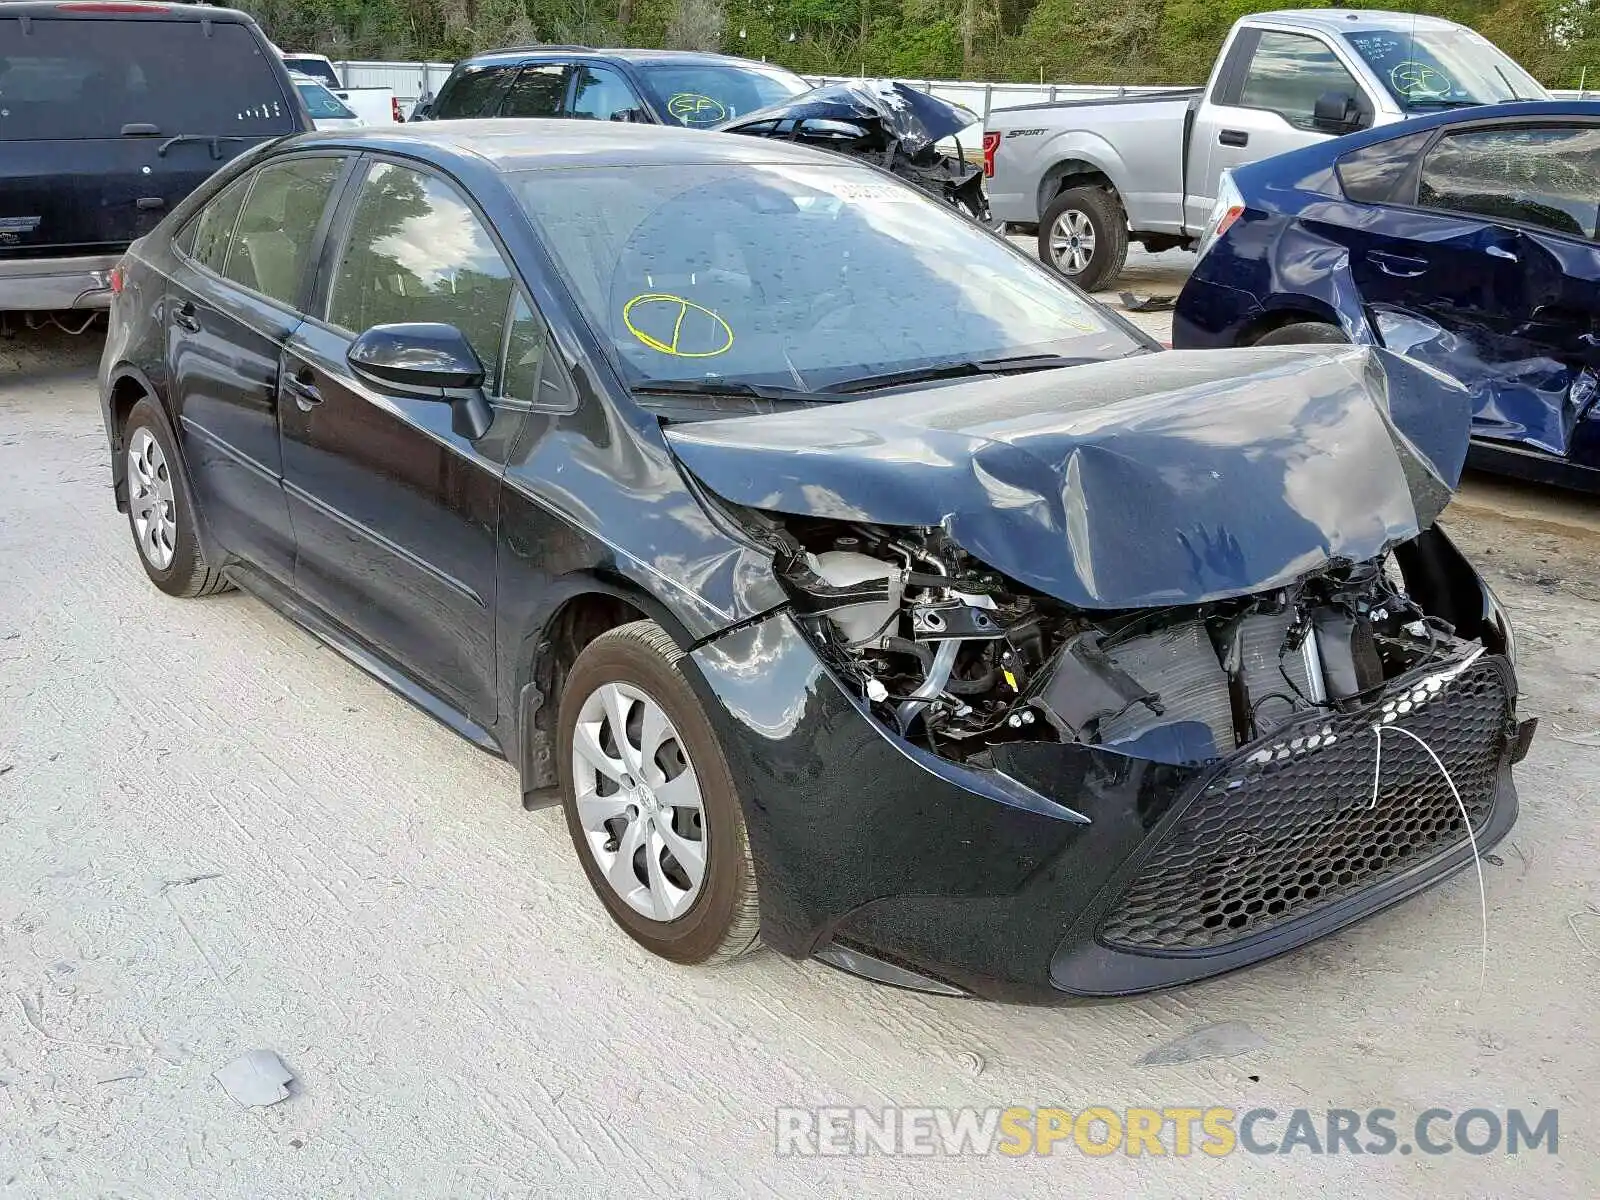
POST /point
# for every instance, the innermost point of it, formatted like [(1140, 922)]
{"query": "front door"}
[(1267, 108), (395, 514), (230, 309)]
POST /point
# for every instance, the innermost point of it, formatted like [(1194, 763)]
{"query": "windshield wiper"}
[(1506, 79), (720, 387), (1015, 365)]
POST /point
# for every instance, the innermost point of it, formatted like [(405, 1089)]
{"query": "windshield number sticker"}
[(670, 324), (694, 109)]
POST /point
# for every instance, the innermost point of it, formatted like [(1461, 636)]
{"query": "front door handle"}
[(305, 393), (1233, 137), (1401, 266), (1500, 252), (185, 316)]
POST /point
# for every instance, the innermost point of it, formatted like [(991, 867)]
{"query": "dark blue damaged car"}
[(1465, 240), (855, 586)]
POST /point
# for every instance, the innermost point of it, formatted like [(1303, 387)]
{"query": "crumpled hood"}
[(915, 118), (1172, 478)]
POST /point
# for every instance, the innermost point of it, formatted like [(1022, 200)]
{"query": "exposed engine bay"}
[(954, 656)]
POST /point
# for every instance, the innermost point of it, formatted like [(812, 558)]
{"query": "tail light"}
[(394, 108), (991, 143), (118, 279)]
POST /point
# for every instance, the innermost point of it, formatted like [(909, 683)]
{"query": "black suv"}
[(660, 87), (110, 114)]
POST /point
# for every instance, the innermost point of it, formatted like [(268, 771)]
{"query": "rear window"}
[(322, 104), (314, 67), (68, 79)]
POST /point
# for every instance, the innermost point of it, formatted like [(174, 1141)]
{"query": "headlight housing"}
[(1228, 209)]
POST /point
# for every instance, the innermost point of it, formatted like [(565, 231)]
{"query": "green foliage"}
[(1059, 41)]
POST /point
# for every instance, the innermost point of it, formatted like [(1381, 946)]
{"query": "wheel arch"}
[(126, 385), (1292, 310), (579, 608), (1070, 173)]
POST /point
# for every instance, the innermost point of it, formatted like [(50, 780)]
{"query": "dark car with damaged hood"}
[(856, 586)]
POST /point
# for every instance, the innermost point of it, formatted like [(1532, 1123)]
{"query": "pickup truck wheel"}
[(1304, 333), (1084, 235)]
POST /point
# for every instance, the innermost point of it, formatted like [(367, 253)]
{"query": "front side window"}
[(472, 93), (277, 226), (417, 252), (1429, 69), (796, 276), (1549, 176), (600, 94), (705, 94), (213, 227), (1289, 73), (537, 92)]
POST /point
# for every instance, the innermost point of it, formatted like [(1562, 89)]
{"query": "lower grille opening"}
[(1288, 826)]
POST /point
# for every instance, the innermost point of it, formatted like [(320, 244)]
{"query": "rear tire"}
[(1084, 236), (650, 802), (159, 514), (1304, 333)]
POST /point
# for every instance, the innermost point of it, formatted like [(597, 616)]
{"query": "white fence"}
[(410, 80)]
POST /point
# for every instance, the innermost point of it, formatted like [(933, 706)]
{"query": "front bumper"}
[(1092, 874), (47, 284)]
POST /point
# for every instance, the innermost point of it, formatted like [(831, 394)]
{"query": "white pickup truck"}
[(373, 105), (1092, 175)]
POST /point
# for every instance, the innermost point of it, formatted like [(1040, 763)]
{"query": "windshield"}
[(796, 276), (1443, 68), (317, 68), (321, 103), (704, 94)]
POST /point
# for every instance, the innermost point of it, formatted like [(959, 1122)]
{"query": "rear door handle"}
[(186, 317), (305, 393), (1233, 137), (1401, 266)]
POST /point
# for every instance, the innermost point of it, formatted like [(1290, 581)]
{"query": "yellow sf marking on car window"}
[(692, 326), (1415, 80), (694, 109)]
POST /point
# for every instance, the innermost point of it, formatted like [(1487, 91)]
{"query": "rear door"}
[(231, 306), (539, 90), (107, 124), (1496, 246)]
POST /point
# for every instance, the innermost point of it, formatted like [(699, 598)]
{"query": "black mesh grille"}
[(1288, 826)]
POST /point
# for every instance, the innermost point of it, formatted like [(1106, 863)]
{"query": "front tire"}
[(1304, 333), (1084, 236), (650, 802), (159, 514)]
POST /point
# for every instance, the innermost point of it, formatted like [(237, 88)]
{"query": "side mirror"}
[(423, 110), (426, 362), (1336, 112)]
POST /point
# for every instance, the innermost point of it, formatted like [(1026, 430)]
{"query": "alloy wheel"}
[(1072, 241), (150, 500), (639, 801)]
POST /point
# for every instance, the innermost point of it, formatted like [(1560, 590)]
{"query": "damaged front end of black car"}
[(886, 123), (1109, 679)]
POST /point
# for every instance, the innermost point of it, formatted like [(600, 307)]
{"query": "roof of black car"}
[(525, 53), (526, 145), (125, 10)]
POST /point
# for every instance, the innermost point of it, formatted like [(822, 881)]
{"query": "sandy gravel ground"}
[(216, 835)]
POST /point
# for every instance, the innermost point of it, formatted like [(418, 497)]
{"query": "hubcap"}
[(1072, 241), (639, 801), (150, 500)]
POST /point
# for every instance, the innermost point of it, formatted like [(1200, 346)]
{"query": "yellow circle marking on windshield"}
[(1415, 80), (694, 109), (669, 314)]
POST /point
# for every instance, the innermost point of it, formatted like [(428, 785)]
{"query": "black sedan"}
[(855, 585)]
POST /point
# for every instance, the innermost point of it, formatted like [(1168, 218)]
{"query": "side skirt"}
[(392, 677)]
